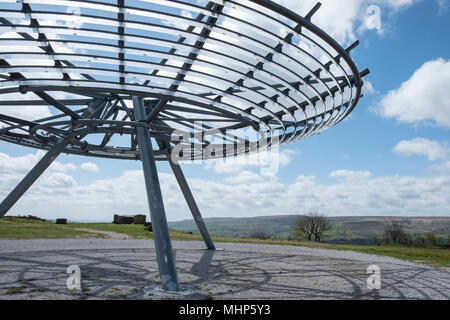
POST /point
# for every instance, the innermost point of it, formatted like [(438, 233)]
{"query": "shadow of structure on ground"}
[(132, 273)]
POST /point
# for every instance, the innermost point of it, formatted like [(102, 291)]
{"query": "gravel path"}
[(117, 269)]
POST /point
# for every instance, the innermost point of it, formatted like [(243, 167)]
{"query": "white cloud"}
[(89, 166), (425, 97), (442, 167), (433, 150), (438, 152), (267, 161), (246, 177), (368, 88), (443, 6), (62, 167), (342, 19), (25, 163), (245, 194), (350, 175), (53, 181), (399, 4), (24, 112), (56, 182)]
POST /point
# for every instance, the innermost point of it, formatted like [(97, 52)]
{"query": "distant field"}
[(13, 228), (356, 230)]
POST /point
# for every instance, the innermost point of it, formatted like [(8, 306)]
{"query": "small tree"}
[(393, 232), (420, 240), (304, 227), (375, 240), (431, 237), (260, 235), (312, 226)]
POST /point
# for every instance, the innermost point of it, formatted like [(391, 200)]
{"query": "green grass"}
[(434, 256), (13, 228), (27, 229), (134, 230), (23, 220)]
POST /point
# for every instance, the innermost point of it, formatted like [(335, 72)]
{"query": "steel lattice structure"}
[(115, 73)]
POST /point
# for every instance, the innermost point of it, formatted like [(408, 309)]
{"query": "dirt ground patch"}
[(109, 234)]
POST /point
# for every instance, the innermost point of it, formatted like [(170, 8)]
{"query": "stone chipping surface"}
[(127, 269)]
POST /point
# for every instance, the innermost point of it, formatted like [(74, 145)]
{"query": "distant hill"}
[(360, 230)]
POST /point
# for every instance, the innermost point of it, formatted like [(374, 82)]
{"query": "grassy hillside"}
[(357, 230), (15, 228), (279, 226)]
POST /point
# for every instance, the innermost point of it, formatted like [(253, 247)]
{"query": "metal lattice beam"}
[(221, 64)]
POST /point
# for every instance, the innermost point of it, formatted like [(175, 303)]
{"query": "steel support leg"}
[(32, 176), (163, 246), (192, 204)]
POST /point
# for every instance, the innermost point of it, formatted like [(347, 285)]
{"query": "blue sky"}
[(377, 162)]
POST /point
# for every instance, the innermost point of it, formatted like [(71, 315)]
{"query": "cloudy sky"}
[(391, 157)]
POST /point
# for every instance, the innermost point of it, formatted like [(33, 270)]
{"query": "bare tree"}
[(375, 240), (431, 236), (393, 232), (304, 227), (260, 235), (312, 226)]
